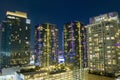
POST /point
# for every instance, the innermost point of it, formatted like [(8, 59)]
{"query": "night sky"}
[(59, 12)]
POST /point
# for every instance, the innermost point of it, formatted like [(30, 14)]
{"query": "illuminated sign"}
[(100, 18), (109, 16)]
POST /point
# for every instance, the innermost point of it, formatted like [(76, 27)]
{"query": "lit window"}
[(113, 51), (108, 51), (108, 47), (90, 47), (89, 30), (10, 24), (38, 28), (114, 61), (90, 38), (106, 26), (56, 29), (20, 29), (90, 52), (107, 38), (9, 43), (113, 46), (28, 21), (16, 37), (118, 53), (108, 56), (117, 34), (69, 26), (112, 38), (111, 25), (109, 62), (95, 35), (93, 55), (26, 37), (27, 42), (19, 41), (90, 44), (26, 28), (90, 56), (118, 57)]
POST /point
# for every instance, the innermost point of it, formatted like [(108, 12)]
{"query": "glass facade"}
[(15, 48), (46, 44), (103, 37)]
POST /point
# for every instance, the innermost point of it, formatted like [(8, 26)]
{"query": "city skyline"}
[(60, 28), (59, 12), (73, 31)]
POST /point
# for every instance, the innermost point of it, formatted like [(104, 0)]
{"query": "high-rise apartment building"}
[(15, 46), (103, 41), (75, 44), (46, 45)]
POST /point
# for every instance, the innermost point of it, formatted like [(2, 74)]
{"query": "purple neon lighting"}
[(117, 44)]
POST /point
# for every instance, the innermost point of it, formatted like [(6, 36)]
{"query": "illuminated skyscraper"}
[(75, 43), (15, 47), (103, 38), (46, 44)]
